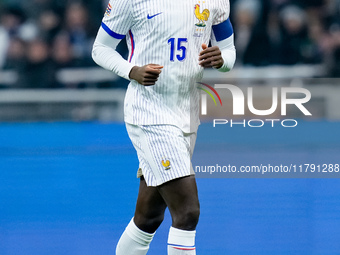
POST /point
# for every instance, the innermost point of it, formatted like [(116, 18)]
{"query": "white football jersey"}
[(168, 33)]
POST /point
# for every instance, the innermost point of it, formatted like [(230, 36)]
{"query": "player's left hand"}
[(210, 57)]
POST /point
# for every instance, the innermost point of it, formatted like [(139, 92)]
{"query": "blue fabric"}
[(110, 32), (223, 30)]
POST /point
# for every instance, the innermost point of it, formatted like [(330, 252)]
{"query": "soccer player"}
[(168, 44)]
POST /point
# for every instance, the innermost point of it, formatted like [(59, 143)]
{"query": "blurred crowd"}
[(288, 32), (40, 37)]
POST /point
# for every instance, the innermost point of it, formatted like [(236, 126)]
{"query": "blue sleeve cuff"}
[(223, 30), (111, 33)]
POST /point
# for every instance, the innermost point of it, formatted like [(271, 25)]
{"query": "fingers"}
[(151, 74), (210, 57), (151, 83), (212, 62), (149, 69), (217, 64), (204, 46), (146, 75), (148, 81), (155, 66), (212, 51)]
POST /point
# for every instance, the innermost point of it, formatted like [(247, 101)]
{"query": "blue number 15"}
[(180, 48)]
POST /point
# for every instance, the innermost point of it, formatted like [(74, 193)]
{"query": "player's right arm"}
[(115, 25), (146, 75), (104, 54)]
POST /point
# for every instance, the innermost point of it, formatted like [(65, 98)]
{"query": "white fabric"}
[(181, 237), (181, 242), (104, 54), (228, 51), (174, 100), (222, 12), (133, 241), (157, 144)]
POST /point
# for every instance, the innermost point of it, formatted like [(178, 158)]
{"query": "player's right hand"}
[(146, 75)]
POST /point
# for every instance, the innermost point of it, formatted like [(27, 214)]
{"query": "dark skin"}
[(210, 57), (179, 195), (146, 75)]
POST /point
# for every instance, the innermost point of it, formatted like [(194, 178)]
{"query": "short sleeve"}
[(222, 12), (117, 19)]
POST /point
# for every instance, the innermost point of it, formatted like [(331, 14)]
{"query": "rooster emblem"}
[(166, 164), (204, 16)]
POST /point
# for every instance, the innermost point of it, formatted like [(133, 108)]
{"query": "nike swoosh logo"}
[(150, 17)]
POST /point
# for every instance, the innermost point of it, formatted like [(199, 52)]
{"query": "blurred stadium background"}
[(67, 167)]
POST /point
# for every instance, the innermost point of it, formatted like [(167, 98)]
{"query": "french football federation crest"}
[(201, 16), (166, 164)]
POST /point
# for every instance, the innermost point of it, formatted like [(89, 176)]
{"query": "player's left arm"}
[(222, 54)]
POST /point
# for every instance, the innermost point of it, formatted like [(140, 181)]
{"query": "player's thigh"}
[(150, 203), (181, 196)]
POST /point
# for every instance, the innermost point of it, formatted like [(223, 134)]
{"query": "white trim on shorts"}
[(164, 152)]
